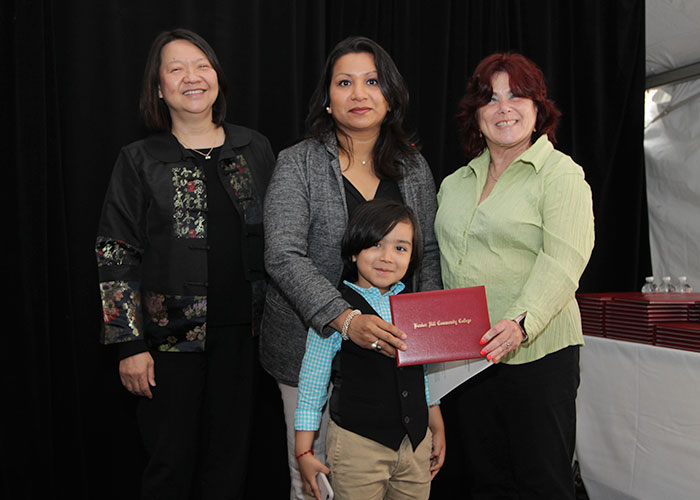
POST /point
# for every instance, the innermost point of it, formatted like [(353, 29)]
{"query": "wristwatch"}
[(520, 320)]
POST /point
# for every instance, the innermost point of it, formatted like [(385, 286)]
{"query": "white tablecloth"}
[(638, 421)]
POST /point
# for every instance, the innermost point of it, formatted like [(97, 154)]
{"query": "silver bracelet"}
[(346, 323)]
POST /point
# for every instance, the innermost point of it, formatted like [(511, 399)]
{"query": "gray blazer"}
[(305, 215)]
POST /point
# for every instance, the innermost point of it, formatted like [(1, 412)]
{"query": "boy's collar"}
[(395, 288)]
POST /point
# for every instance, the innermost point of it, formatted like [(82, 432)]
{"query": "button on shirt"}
[(528, 243), (315, 373)]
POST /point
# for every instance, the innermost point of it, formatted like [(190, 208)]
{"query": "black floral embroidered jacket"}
[(152, 238)]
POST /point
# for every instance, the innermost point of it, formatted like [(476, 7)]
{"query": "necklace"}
[(207, 155), (353, 160)]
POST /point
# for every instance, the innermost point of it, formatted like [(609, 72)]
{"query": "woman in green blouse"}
[(518, 219)]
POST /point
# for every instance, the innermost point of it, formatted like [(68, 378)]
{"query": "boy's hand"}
[(309, 466), (437, 455), (439, 445)]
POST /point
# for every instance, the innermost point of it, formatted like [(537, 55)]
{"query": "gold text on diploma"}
[(449, 322)]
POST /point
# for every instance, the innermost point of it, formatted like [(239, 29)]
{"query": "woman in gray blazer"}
[(356, 150)]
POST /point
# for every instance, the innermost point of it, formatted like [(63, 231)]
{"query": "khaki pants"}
[(363, 469)]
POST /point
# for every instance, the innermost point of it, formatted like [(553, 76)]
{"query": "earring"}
[(354, 258), (480, 135), (534, 129), (328, 110)]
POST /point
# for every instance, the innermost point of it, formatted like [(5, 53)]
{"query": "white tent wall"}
[(672, 158), (672, 140)]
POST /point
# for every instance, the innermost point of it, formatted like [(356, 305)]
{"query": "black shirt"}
[(229, 294), (387, 190)]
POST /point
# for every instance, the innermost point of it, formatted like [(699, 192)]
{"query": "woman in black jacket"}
[(179, 251)]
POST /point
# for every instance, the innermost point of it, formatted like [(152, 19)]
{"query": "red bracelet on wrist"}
[(302, 454)]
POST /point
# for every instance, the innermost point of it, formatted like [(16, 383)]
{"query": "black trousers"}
[(196, 428), (517, 427)]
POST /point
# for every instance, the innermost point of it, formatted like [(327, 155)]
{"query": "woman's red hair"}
[(526, 80)]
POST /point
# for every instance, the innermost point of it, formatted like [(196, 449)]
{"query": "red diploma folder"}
[(442, 325)]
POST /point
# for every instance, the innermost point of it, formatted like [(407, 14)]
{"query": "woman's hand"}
[(366, 329), (137, 373), (500, 339)]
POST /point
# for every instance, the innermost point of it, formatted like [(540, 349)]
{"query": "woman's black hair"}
[(154, 111), (392, 137), (370, 222)]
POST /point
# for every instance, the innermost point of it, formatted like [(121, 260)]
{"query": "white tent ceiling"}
[(672, 34)]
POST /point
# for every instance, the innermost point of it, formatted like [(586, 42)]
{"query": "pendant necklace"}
[(207, 155)]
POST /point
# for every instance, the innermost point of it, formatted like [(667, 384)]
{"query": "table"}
[(638, 413)]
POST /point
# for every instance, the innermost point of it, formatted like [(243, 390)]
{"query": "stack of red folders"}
[(664, 319)]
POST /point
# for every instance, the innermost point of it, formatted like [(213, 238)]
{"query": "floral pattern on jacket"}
[(189, 203), (152, 242), (121, 305), (168, 313)]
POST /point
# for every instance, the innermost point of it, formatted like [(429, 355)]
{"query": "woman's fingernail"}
[(489, 357), (483, 351), (482, 342)]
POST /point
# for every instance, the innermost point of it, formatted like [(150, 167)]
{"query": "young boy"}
[(383, 441)]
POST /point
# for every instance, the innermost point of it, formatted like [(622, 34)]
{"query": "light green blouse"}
[(528, 242)]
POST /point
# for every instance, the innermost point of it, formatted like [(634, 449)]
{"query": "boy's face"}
[(387, 261)]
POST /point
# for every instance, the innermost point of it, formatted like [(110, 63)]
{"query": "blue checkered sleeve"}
[(314, 378), (427, 388)]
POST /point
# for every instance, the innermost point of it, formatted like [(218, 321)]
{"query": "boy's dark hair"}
[(373, 220), (154, 111)]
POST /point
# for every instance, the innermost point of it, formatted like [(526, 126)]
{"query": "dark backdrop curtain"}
[(71, 76)]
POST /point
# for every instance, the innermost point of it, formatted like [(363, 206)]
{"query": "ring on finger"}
[(507, 344), (376, 346)]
